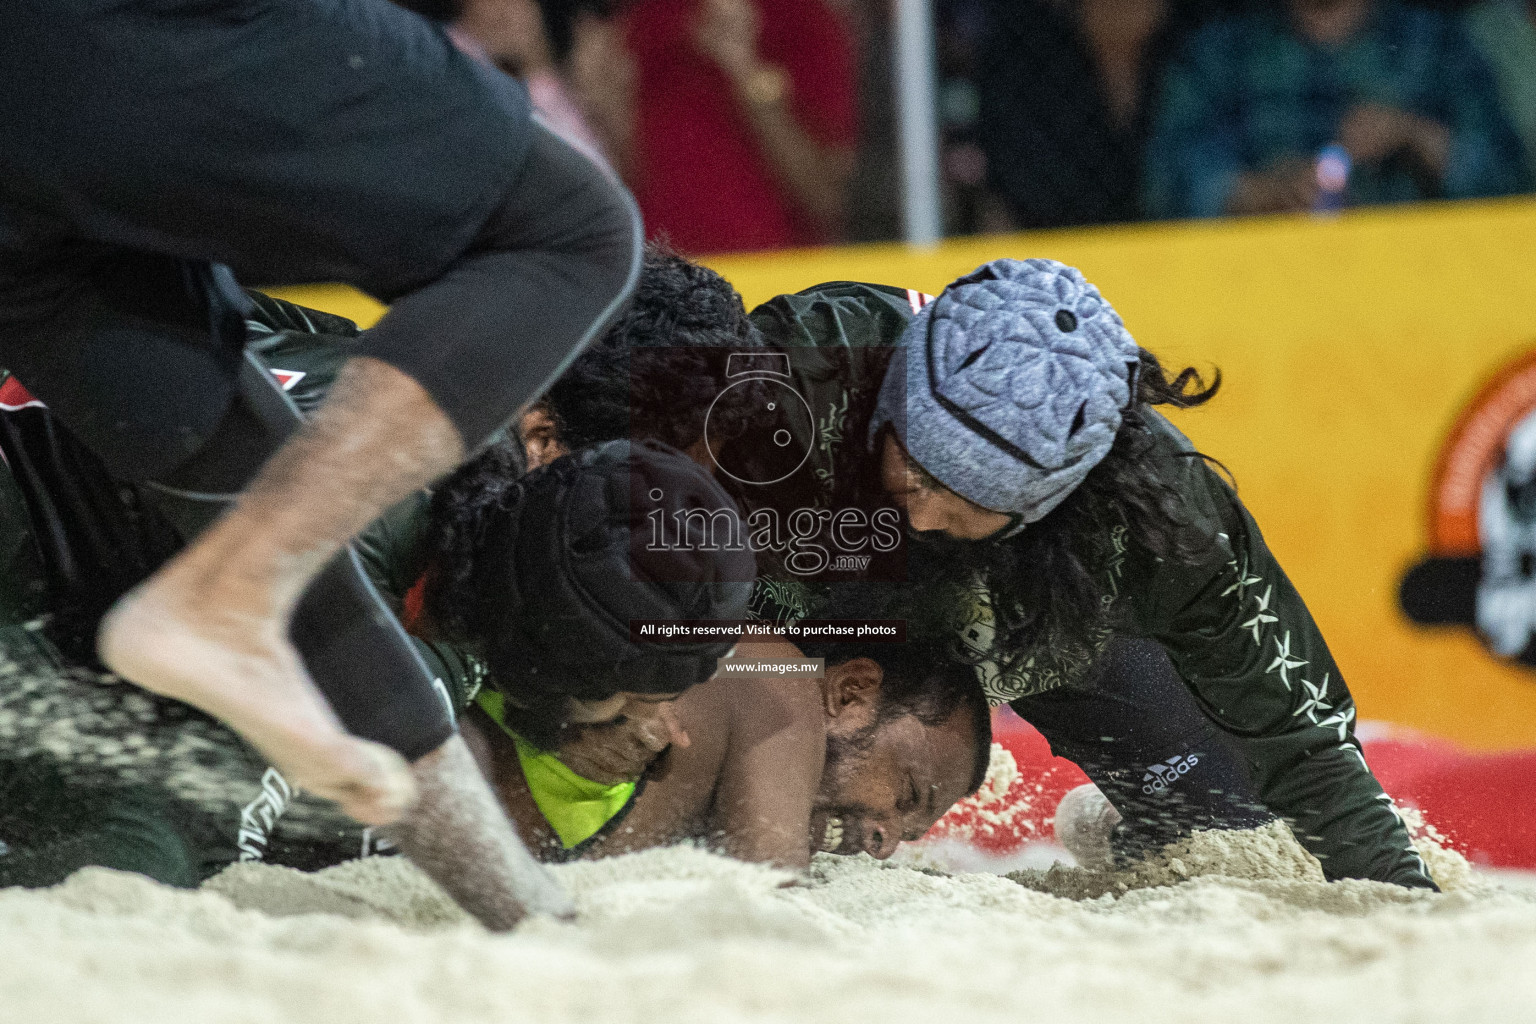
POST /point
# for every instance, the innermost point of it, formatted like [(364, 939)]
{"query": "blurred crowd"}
[(759, 124)]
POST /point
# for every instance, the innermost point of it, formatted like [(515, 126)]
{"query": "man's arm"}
[(1456, 131), (1245, 643), (749, 776), (674, 798), (1484, 156), (813, 171)]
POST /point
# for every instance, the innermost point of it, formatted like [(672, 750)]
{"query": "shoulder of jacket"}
[(270, 315), (839, 312), (1209, 502)]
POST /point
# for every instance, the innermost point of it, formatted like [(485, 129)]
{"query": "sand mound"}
[(679, 935)]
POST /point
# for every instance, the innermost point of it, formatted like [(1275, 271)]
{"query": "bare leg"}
[(459, 835), (211, 627)]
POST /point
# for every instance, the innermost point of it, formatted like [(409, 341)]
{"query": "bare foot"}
[(242, 670), (211, 626)]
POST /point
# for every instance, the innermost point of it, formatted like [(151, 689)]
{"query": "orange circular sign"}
[(1474, 448)]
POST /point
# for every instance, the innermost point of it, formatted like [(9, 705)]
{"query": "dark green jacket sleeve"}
[(391, 550), (838, 314), (1245, 643)]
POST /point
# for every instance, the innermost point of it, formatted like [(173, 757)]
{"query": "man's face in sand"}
[(928, 504), (884, 782)]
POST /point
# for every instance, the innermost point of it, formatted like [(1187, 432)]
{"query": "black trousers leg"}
[(291, 140), (1137, 732)]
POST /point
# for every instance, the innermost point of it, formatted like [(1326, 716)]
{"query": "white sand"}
[(1228, 928), (682, 936)]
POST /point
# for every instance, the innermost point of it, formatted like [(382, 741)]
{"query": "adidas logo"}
[(1165, 773)]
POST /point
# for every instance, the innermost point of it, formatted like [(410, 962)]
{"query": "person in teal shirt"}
[(1504, 31), (1252, 100)]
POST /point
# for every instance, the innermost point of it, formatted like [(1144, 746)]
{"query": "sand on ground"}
[(1235, 928), (1224, 928)]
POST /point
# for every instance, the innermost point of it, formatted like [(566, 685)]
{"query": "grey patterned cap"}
[(1015, 381)]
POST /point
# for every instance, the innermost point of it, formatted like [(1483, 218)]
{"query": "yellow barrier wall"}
[(1348, 348)]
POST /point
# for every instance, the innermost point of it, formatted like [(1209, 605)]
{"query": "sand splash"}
[(1248, 932), (96, 729)]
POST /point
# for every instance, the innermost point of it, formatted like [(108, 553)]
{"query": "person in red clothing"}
[(744, 122)]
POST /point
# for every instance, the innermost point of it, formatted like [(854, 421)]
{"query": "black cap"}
[(581, 557)]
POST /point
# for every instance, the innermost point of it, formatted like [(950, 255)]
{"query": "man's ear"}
[(853, 683)]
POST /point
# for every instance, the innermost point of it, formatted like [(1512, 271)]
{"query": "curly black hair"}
[(1048, 584), (657, 370), (469, 511), (465, 510)]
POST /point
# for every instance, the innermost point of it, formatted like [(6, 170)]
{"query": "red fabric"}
[(699, 177), (1003, 823), (413, 606), (13, 395), (1485, 804)]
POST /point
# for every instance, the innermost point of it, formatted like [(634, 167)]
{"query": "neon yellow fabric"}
[(575, 807)]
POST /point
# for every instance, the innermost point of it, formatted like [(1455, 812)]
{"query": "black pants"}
[(154, 151), (149, 141), (1137, 732)]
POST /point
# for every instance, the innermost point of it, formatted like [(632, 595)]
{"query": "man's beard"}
[(844, 755), (843, 752)]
